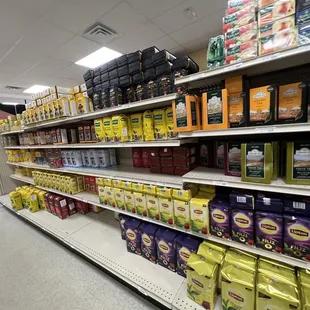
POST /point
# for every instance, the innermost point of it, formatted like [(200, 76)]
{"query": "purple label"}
[(148, 247), (269, 231), (297, 237), (220, 221), (242, 226), (166, 254)]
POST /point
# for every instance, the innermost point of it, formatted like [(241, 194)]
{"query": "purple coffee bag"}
[(219, 218), (242, 226), (269, 231), (148, 243), (185, 246), (166, 248), (297, 237), (133, 236)]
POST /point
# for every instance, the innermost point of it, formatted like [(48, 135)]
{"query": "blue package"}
[(299, 206), (241, 201), (303, 17), (268, 203)]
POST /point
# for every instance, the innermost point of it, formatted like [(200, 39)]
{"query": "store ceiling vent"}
[(100, 30), (14, 88)]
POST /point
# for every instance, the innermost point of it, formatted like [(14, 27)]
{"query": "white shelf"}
[(182, 302), (98, 237), (153, 103), (164, 143), (216, 177), (125, 173), (262, 64), (94, 199), (11, 132), (272, 129)]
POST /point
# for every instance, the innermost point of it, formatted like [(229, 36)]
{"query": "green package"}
[(216, 54), (257, 162)]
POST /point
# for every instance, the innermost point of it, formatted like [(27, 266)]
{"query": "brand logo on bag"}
[(198, 283), (165, 205), (299, 232), (219, 216), (198, 212), (268, 227), (181, 209), (139, 199), (241, 220), (259, 95), (163, 246), (235, 296), (185, 254), (130, 234), (146, 240), (290, 92)]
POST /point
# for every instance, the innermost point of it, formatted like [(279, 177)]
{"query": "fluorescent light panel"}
[(12, 103), (98, 58), (35, 89)]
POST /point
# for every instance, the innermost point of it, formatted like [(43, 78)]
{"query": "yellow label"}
[(166, 210), (130, 201), (136, 125), (140, 202), (160, 124), (259, 104), (107, 128), (148, 126), (181, 214), (199, 214), (235, 108), (290, 101)]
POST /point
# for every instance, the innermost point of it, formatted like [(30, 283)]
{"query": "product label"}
[(235, 108), (234, 157), (215, 107), (259, 104), (180, 108), (301, 161), (255, 161), (290, 101)]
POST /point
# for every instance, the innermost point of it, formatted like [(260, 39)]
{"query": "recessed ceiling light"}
[(12, 103), (98, 58), (35, 89)]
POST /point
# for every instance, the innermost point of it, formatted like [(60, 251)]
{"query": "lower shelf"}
[(93, 199)]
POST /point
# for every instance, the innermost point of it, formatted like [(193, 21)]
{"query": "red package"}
[(155, 161), (166, 161), (54, 136), (181, 162), (235, 6), (82, 207), (165, 152), (46, 202), (48, 137), (51, 203), (155, 169), (92, 185), (167, 170), (184, 151), (145, 158), (87, 183), (183, 170), (71, 206), (61, 207), (137, 157)]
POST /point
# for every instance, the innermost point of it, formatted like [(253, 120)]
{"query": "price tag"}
[(219, 183), (265, 129), (141, 290), (273, 56)]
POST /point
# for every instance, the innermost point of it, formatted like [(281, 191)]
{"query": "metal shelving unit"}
[(94, 199), (202, 175), (126, 173), (163, 143)]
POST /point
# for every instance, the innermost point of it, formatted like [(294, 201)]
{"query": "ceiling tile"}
[(73, 71), (47, 80), (175, 19), (165, 42), (151, 8), (178, 51), (71, 83), (49, 65), (123, 19), (75, 49), (138, 39), (45, 37), (208, 26), (77, 15)]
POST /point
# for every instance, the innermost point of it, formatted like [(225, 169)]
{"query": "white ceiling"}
[(41, 39)]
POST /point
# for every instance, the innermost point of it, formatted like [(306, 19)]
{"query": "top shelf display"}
[(264, 64)]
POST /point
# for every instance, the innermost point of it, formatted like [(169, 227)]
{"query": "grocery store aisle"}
[(38, 273)]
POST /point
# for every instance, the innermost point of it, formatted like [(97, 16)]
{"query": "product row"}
[(12, 123), (33, 199), (250, 31), (211, 269), (136, 76)]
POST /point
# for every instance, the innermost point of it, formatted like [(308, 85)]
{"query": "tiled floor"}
[(38, 273)]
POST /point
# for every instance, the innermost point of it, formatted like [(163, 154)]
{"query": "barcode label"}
[(241, 199), (62, 203), (219, 183), (299, 205), (71, 206)]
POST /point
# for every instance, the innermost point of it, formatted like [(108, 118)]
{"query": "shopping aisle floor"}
[(38, 273)]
